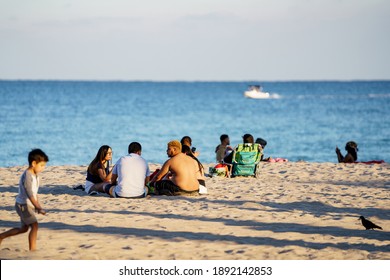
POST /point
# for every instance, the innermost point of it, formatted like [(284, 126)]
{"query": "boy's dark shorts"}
[(26, 214)]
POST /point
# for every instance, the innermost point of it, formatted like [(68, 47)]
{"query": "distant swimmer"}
[(368, 224)]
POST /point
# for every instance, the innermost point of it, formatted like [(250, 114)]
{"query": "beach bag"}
[(220, 170), (244, 169), (245, 159)]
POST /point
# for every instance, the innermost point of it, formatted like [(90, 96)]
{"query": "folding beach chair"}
[(246, 159)]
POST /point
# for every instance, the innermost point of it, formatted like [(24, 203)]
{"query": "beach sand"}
[(295, 211)]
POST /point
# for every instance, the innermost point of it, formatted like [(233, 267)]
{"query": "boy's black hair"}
[(223, 137), (37, 155), (134, 147)]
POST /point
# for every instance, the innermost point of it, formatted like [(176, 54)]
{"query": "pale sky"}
[(171, 40)]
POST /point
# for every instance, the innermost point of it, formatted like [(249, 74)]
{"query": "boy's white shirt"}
[(22, 197)]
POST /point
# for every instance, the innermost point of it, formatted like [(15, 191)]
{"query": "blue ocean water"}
[(70, 120)]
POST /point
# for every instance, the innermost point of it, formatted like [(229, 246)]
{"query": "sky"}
[(195, 40)]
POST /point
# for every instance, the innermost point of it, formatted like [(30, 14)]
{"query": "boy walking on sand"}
[(27, 199)]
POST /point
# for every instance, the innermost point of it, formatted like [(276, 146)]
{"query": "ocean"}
[(70, 120)]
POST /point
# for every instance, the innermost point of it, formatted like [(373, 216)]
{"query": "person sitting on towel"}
[(183, 171), (351, 156)]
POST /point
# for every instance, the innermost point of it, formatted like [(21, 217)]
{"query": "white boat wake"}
[(256, 92)]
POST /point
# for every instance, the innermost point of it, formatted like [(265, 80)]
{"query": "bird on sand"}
[(368, 224)]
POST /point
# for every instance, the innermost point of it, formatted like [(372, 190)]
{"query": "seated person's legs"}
[(166, 187), (109, 189), (99, 187)]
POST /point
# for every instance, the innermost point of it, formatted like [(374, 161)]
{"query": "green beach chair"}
[(246, 159)]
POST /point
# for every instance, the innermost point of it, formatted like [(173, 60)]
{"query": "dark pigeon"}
[(368, 224)]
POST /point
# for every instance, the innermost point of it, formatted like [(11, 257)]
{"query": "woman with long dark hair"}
[(200, 174), (351, 156), (98, 173)]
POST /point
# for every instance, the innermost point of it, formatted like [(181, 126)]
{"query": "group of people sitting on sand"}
[(224, 152), (130, 176)]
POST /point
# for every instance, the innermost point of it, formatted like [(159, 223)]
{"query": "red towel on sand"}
[(371, 162)]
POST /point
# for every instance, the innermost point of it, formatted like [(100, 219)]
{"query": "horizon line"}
[(193, 81)]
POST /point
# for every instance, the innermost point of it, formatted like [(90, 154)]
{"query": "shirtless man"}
[(182, 170)]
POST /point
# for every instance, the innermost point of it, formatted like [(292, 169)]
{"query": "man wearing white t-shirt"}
[(130, 175)]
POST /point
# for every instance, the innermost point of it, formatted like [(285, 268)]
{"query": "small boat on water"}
[(256, 92)]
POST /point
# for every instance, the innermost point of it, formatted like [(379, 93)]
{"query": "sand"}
[(295, 211)]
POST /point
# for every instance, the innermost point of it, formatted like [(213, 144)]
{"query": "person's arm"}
[(147, 179), (340, 157), (103, 175), (114, 174), (114, 178), (108, 178), (164, 170), (37, 205), (147, 175)]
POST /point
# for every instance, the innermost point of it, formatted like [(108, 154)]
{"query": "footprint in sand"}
[(285, 251), (86, 246)]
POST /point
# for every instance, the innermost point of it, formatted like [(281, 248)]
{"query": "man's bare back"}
[(183, 172)]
